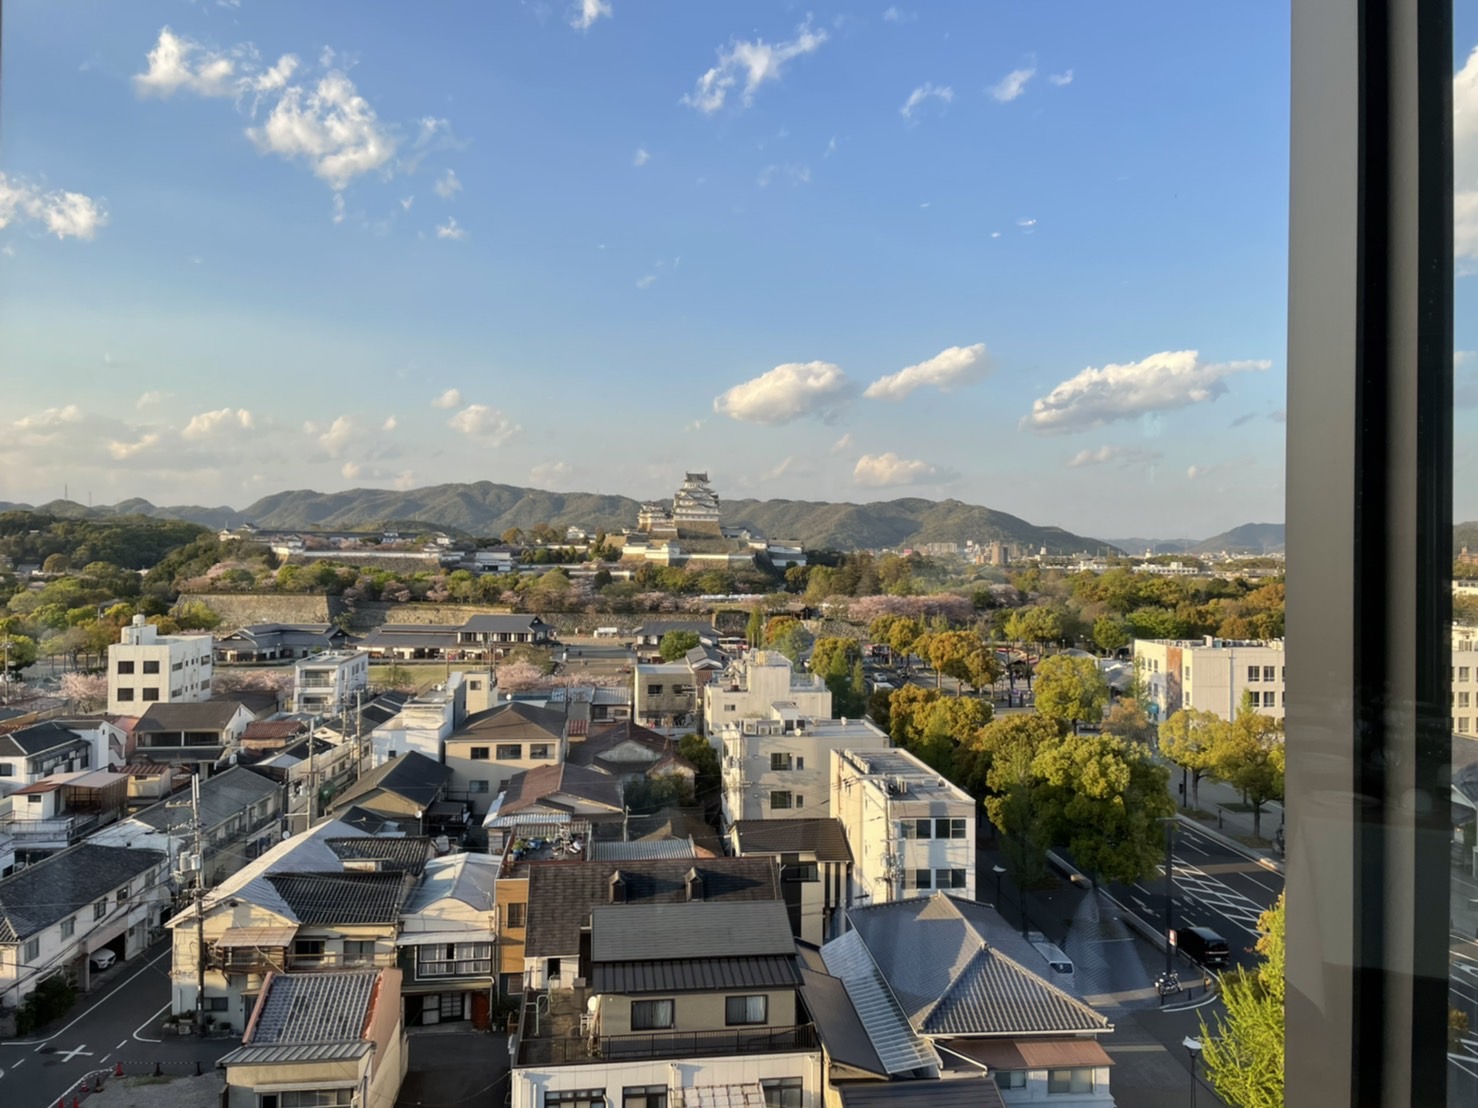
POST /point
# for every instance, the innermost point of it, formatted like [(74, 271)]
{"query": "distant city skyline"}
[(991, 254)]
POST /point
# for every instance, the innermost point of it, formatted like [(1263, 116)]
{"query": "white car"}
[(102, 959)]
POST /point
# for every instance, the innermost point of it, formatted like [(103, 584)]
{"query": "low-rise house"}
[(480, 638), (815, 869), (29, 754), (310, 771), (57, 912), (753, 684), (912, 831), (327, 899), (590, 706), (240, 819), (648, 637), (271, 642), (490, 747), (423, 722), (482, 632), (320, 1039), (412, 791), (779, 767), (62, 809), (630, 752), (448, 937), (944, 986), (111, 736), (558, 790), (326, 683), (676, 986), (195, 735)]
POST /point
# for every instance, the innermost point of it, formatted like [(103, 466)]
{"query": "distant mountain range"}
[(487, 508), (1250, 538)]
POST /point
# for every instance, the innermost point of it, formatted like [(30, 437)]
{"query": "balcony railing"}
[(65, 829), (569, 1050), (251, 960)]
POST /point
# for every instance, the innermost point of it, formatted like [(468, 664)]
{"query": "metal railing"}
[(572, 1049)]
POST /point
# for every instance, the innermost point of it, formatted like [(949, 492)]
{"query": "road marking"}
[(146, 1023), (121, 1045), (19, 1064), (83, 1015), (105, 1057), (1192, 846), (68, 1055)]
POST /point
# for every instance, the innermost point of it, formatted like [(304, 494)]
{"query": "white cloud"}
[(948, 370), (448, 186), (546, 473), (1026, 224), (333, 128), (405, 482), (1012, 85), (646, 282), (641, 157), (1161, 382), (63, 214), (1465, 160), (894, 15), (480, 421), (882, 471), (276, 77), (338, 208), (1061, 79), (831, 147), (338, 436), (222, 420), (350, 470), (177, 63), (150, 398), (49, 417), (842, 444), (926, 91), (406, 202), (788, 392), (389, 424), (756, 62), (1122, 455), (586, 12), (449, 399), (795, 174), (450, 230)]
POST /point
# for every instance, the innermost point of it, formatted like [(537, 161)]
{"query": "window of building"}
[(1011, 1079), (454, 959), (477, 786), (218, 1004), (34, 798), (1462, 724), (576, 1098), (123, 893), (539, 750), (306, 1098), (1254, 673), (6, 769), (32, 951), (510, 751), (307, 948), (783, 1092), (800, 800), (949, 879), (780, 799), (779, 761), (949, 829), (1267, 673), (1462, 672), (69, 927), (125, 694), (651, 1015), (100, 909), (151, 665), (800, 762), (644, 1096), (800, 871), (654, 690), (1269, 699), (125, 667), (1462, 699), (740, 1010), (1070, 1081), (479, 753), (517, 914), (358, 950), (923, 828), (923, 879), (150, 693), (730, 708)]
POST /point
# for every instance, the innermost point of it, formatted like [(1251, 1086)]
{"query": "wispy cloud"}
[(451, 230), (1119, 455), (586, 12), (794, 174), (63, 214), (880, 471), (1012, 85), (754, 63), (926, 91), (447, 185), (641, 157), (1061, 79), (646, 282), (893, 14), (221, 421), (842, 444)]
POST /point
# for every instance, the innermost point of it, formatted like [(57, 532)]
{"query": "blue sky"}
[(1030, 256)]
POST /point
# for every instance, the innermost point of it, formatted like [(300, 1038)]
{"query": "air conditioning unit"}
[(190, 863)]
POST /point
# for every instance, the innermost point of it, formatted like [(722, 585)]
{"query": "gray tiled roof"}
[(837, 1021), (412, 775), (343, 897), (311, 1013), (36, 738), (206, 715), (56, 887), (899, 1047), (822, 837), (504, 623), (221, 797), (562, 894), (695, 929), (695, 974), (511, 722), (402, 855), (534, 786), (950, 980), (613, 851)]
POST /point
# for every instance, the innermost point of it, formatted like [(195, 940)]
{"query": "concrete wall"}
[(696, 1011)]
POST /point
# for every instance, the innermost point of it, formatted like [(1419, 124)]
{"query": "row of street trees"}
[(1245, 752)]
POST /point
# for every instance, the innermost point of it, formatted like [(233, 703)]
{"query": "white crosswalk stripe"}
[(1204, 889)]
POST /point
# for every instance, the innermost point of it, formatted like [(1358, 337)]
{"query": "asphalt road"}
[(117, 1022), (1462, 1076), (1215, 887)]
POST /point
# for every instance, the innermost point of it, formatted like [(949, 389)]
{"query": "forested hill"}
[(488, 508)]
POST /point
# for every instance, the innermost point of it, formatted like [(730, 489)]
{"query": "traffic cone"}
[(117, 1069)]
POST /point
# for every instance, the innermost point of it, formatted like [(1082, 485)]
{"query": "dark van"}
[(1204, 947)]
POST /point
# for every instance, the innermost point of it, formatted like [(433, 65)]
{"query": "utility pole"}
[(199, 858)]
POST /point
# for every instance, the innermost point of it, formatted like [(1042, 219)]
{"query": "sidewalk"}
[(1220, 803)]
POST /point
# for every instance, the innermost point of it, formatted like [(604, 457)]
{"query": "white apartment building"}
[(912, 833), (754, 683), (423, 724), (1464, 679), (1211, 674), (145, 667), (779, 767), (325, 684)]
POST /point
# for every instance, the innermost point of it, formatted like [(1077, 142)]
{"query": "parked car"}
[(102, 959)]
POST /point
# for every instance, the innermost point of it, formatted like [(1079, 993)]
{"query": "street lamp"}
[(1193, 1048)]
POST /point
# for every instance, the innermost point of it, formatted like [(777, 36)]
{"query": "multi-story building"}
[(327, 683), (665, 694), (491, 746), (36, 752), (1464, 679), (779, 767), (752, 685), (815, 869), (1211, 675), (911, 831), (145, 667)]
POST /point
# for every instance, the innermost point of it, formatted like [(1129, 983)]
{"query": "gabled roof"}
[(37, 738), (694, 929), (56, 887), (221, 797), (951, 980), (406, 855), (504, 623), (205, 715), (273, 730), (510, 722), (545, 784), (342, 898), (899, 1047), (310, 1017), (822, 837), (469, 878), (563, 894), (599, 748), (411, 775), (837, 1022)]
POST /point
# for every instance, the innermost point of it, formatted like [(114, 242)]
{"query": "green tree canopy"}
[(1244, 1052), (698, 750), (1249, 756), (675, 644), (1111, 633), (834, 654), (1070, 690), (1189, 738), (20, 650), (1128, 720)]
